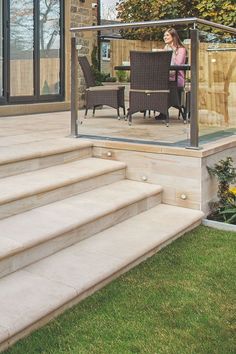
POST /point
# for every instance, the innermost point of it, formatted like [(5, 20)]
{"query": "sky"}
[(105, 4), (108, 2)]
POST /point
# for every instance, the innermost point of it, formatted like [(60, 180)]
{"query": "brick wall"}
[(83, 14)]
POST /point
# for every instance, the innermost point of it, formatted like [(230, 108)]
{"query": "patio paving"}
[(31, 128)]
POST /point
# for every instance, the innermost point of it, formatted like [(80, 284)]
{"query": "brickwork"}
[(83, 14)]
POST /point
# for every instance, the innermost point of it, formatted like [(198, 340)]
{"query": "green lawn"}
[(180, 301)]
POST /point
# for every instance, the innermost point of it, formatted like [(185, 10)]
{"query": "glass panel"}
[(1, 50), (217, 86), (145, 129), (49, 47), (21, 47)]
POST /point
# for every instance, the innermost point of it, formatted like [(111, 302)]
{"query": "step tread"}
[(40, 224), (14, 153), (39, 289), (46, 179)]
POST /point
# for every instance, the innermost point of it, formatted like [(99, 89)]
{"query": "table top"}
[(183, 67)]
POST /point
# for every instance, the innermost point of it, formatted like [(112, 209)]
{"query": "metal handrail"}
[(194, 36), (216, 25), (177, 21)]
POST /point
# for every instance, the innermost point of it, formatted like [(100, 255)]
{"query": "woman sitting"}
[(179, 54)]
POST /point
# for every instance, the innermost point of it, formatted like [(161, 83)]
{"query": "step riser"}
[(67, 305), (66, 191), (69, 238), (14, 168)]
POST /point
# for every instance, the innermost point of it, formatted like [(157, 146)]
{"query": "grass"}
[(180, 301)]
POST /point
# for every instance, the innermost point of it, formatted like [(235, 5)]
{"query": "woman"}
[(173, 43)]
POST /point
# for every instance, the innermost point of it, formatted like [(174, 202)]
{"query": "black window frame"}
[(5, 24), (36, 97)]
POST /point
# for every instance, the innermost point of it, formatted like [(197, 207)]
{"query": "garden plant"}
[(225, 208)]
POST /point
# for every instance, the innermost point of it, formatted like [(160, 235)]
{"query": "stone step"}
[(30, 236), (22, 158), (29, 190), (34, 295)]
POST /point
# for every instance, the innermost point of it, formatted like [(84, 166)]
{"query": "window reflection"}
[(49, 47), (106, 51), (21, 47)]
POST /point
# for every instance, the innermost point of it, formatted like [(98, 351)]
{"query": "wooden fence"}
[(120, 50)]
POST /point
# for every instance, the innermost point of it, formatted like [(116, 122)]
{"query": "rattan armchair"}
[(95, 96), (149, 85)]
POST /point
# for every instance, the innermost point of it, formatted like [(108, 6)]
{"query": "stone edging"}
[(219, 225)]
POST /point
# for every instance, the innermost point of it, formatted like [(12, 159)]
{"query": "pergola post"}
[(74, 88), (194, 128)]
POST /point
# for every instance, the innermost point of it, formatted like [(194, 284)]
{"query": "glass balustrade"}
[(146, 129), (208, 98), (217, 84)]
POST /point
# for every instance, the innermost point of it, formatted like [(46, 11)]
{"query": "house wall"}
[(84, 14)]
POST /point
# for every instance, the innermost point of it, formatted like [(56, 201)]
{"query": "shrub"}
[(121, 75), (225, 208), (111, 79)]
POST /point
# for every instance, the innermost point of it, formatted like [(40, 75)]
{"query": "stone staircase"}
[(52, 200)]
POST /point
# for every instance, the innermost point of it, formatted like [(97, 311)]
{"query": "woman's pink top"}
[(178, 58)]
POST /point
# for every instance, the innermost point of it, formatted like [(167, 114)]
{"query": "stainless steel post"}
[(194, 129), (74, 88)]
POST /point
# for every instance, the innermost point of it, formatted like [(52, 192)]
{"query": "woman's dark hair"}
[(175, 36)]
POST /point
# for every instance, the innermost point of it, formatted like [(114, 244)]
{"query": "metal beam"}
[(74, 88), (173, 22), (194, 129)]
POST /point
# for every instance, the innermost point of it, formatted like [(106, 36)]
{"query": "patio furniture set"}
[(150, 87)]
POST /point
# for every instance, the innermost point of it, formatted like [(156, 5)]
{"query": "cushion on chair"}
[(105, 88)]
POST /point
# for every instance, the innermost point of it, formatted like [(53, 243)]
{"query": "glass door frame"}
[(5, 53), (36, 97)]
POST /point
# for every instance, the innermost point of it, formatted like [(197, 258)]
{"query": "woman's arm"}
[(179, 57)]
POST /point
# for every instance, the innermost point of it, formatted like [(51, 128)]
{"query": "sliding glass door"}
[(49, 47), (32, 64), (21, 48)]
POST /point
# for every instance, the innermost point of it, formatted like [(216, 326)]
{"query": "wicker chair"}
[(112, 96), (149, 86)]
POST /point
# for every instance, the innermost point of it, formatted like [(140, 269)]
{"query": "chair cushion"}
[(105, 88)]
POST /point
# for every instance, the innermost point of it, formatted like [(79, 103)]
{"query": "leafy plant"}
[(121, 75), (99, 76), (220, 11), (111, 79), (225, 208)]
